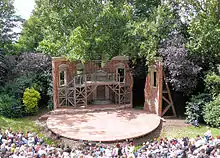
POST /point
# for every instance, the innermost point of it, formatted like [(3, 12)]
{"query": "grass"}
[(173, 131), (189, 131), (24, 125), (19, 125)]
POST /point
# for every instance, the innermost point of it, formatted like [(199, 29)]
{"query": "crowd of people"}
[(29, 145)]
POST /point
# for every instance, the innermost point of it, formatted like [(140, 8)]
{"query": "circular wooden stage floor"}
[(104, 126)]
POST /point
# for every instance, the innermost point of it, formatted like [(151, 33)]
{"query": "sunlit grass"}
[(189, 131), (18, 125)]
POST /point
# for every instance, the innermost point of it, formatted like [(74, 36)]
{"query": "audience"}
[(29, 145)]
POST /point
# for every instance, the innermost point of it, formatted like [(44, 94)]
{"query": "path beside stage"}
[(104, 126)]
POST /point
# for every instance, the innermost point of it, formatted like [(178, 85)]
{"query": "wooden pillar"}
[(106, 92), (160, 87)]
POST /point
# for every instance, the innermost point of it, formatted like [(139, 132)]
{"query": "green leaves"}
[(32, 34), (212, 112), (77, 45), (212, 81), (81, 30), (151, 31), (204, 32), (9, 106), (30, 99), (8, 21)]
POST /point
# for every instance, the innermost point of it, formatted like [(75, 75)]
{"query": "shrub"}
[(33, 62), (181, 72), (9, 107), (195, 107), (30, 100), (212, 112), (17, 87), (212, 81)]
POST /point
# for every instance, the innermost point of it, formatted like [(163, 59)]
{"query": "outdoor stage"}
[(104, 126)]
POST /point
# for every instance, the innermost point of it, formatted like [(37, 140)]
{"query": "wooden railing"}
[(96, 77)]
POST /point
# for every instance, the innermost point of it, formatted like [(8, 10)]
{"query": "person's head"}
[(43, 156), (117, 145), (150, 155)]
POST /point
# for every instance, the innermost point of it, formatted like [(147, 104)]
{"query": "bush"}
[(195, 107), (181, 71), (9, 107), (30, 100), (212, 112), (212, 81), (17, 87)]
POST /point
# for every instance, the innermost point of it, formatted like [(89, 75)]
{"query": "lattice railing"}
[(77, 91)]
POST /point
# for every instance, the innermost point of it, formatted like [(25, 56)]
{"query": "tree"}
[(181, 72), (31, 34), (90, 36), (8, 21), (99, 29), (204, 31), (144, 8), (3, 68)]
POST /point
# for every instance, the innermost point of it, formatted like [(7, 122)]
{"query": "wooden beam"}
[(166, 109), (169, 95), (168, 102)]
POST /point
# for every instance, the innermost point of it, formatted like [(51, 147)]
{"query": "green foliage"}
[(17, 87), (90, 36), (30, 100), (18, 124), (212, 81), (195, 107), (31, 35), (212, 112), (148, 33), (189, 131), (8, 21), (204, 31), (206, 106), (3, 68), (98, 29), (143, 8), (9, 107)]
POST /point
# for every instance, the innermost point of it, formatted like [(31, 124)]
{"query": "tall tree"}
[(31, 35), (8, 21), (181, 72), (100, 29), (204, 30)]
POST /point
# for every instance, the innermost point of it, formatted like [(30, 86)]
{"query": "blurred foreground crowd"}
[(29, 145)]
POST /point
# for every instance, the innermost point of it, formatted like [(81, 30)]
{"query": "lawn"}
[(169, 131), (189, 131), (19, 125)]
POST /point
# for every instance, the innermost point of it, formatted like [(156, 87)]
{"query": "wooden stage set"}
[(108, 124), (93, 100)]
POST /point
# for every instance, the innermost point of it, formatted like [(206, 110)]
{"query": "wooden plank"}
[(166, 109), (169, 95), (168, 102)]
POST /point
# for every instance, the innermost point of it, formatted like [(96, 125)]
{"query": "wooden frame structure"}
[(79, 84), (158, 97)]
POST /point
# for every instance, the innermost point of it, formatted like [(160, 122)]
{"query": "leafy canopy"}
[(98, 29), (8, 21)]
